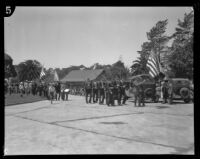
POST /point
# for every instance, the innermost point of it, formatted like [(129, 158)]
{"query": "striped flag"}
[(56, 76), (95, 66), (153, 65), (42, 73)]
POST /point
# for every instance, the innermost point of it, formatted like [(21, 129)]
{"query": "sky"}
[(59, 37)]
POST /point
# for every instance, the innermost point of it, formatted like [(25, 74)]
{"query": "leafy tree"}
[(29, 70), (156, 44), (139, 65), (181, 56), (119, 71), (158, 39), (9, 69)]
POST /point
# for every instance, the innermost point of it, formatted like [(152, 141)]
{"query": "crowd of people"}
[(101, 92), (35, 88)]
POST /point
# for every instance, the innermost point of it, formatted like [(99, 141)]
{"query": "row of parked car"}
[(183, 89)]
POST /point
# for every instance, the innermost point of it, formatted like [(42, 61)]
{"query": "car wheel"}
[(148, 93), (185, 93)]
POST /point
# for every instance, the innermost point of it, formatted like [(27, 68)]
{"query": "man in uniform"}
[(95, 92), (101, 92), (170, 92), (113, 92), (88, 91), (141, 95), (109, 94), (165, 90), (135, 90), (119, 92), (124, 96)]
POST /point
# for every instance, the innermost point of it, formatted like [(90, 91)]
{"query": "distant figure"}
[(125, 88), (26, 87), (95, 92), (120, 92), (101, 92), (88, 91), (135, 91), (21, 88), (165, 90), (52, 92), (64, 92), (58, 91), (5, 86), (109, 94), (141, 95), (10, 88), (170, 92)]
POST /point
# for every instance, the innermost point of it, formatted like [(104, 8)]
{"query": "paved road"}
[(73, 127)]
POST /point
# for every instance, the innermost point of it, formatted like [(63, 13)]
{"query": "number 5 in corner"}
[(9, 9)]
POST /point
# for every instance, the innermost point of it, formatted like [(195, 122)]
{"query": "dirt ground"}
[(74, 127)]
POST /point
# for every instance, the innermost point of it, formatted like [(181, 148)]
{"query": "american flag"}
[(153, 65), (42, 73), (56, 78)]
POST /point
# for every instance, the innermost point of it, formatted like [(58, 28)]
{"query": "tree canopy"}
[(176, 60), (181, 56), (9, 69), (29, 70)]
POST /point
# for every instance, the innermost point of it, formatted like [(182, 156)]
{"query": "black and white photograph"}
[(98, 80)]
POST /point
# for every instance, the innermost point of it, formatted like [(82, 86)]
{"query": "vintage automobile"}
[(149, 85), (182, 89)]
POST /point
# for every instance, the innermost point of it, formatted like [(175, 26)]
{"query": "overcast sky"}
[(62, 36)]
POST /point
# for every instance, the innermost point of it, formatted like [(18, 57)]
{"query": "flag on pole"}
[(56, 76), (95, 66), (154, 65), (42, 73)]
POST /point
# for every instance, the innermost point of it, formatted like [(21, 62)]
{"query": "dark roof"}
[(82, 75)]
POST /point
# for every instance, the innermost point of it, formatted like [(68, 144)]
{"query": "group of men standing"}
[(99, 91), (57, 91)]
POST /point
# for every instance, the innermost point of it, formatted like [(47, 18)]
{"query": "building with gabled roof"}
[(78, 77)]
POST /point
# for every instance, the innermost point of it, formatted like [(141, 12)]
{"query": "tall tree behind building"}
[(181, 55)]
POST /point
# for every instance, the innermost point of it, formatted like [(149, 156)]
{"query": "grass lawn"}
[(17, 99)]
